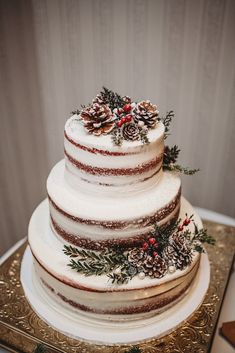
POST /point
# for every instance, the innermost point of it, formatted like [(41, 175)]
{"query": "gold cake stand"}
[(21, 330)]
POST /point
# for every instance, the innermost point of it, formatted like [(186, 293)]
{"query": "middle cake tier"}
[(97, 221)]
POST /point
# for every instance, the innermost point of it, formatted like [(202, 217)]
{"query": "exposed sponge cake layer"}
[(81, 217), (96, 295), (98, 161)]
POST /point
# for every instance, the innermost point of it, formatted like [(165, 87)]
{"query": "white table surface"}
[(228, 308)]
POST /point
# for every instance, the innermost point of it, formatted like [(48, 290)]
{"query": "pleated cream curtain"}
[(57, 54)]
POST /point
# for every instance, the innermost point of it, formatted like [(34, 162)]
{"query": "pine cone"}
[(98, 119), (183, 252), (130, 132), (136, 256), (169, 255), (98, 99), (126, 99), (154, 267), (147, 113)]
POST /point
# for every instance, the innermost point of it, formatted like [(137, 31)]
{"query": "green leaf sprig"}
[(93, 263), (167, 122), (170, 157), (112, 99), (200, 236)]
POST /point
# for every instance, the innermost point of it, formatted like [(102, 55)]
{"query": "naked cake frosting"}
[(123, 243)]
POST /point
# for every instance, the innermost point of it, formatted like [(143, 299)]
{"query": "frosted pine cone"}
[(169, 254), (180, 243), (183, 252), (98, 119), (154, 267), (136, 257), (147, 113), (98, 99), (130, 132), (126, 99), (160, 267)]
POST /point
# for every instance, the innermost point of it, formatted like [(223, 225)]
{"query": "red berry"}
[(156, 245), (180, 228), (145, 246), (119, 123), (155, 254), (186, 221), (128, 118), (120, 111), (127, 108), (152, 241), (123, 119)]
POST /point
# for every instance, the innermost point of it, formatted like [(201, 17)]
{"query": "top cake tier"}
[(95, 161)]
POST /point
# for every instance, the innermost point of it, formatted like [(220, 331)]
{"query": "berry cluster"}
[(185, 223), (151, 247), (124, 114)]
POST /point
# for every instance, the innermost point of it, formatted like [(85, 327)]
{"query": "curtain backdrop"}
[(57, 54)]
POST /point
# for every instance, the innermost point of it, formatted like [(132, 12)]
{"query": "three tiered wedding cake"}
[(123, 243)]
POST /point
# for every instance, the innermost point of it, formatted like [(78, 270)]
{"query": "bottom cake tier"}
[(95, 296), (100, 332)]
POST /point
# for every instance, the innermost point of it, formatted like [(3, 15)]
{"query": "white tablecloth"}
[(228, 309)]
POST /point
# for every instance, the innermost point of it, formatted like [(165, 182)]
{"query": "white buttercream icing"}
[(82, 203), (100, 152), (75, 130), (99, 185), (48, 250)]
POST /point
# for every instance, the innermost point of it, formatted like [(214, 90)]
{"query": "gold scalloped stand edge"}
[(22, 330)]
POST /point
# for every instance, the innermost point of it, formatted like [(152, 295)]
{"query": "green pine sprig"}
[(180, 169), (170, 157), (171, 154), (71, 251), (144, 136), (119, 278), (93, 263), (117, 137), (201, 236), (162, 234), (112, 99), (167, 121), (76, 111)]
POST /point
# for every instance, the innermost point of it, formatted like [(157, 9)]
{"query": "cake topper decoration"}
[(120, 116), (125, 120)]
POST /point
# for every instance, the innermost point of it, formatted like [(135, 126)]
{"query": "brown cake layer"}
[(98, 151), (88, 243), (138, 222), (142, 168), (138, 304), (157, 302), (126, 184)]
